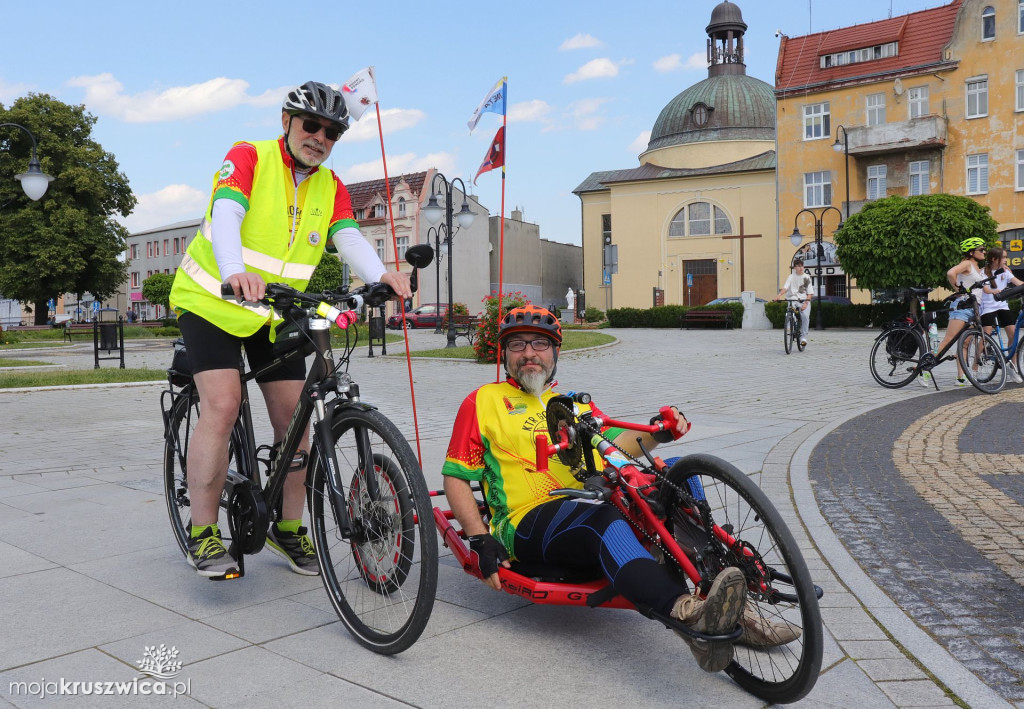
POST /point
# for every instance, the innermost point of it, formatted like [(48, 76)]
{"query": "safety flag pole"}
[(360, 92), (496, 101)]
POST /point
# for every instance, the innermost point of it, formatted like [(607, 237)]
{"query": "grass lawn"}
[(131, 332), (572, 340), (64, 377), (5, 362), (29, 346)]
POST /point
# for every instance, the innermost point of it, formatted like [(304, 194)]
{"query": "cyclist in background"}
[(272, 211), (798, 287), (493, 442), (995, 312)]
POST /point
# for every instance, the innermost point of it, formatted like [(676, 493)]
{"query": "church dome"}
[(725, 107)]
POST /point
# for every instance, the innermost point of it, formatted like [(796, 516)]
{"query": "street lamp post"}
[(796, 237), (433, 212), (33, 181), (437, 267), (844, 148)]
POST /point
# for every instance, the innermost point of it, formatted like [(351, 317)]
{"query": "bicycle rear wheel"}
[(787, 332), (894, 357), (779, 586), (982, 361), (181, 424), (382, 577)]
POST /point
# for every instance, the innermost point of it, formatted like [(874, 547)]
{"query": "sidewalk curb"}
[(108, 385), (876, 603)]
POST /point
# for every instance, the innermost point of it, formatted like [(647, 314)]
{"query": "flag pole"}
[(501, 228), (401, 301)]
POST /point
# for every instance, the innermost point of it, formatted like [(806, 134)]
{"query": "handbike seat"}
[(551, 572)]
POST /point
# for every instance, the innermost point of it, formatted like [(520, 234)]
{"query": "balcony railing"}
[(926, 132)]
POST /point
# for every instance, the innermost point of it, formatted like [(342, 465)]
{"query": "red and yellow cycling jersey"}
[(235, 180), (494, 442)]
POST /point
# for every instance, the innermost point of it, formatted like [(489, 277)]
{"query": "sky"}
[(173, 85)]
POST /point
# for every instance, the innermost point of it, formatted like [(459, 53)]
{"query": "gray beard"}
[(533, 382)]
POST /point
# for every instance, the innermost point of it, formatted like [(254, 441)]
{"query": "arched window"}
[(401, 206), (988, 23), (698, 219)]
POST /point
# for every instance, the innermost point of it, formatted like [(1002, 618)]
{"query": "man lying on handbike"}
[(493, 442)]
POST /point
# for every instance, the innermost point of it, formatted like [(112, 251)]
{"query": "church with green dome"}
[(696, 220)]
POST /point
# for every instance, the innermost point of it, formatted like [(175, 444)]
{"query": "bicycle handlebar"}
[(1009, 293)]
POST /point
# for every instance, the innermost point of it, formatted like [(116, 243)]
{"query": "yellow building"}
[(696, 220), (928, 102)]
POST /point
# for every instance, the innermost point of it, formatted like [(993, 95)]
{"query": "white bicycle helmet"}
[(317, 99)]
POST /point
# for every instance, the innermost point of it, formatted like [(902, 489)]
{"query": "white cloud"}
[(105, 94), (397, 165), (594, 69), (580, 41), (583, 113), (674, 62), (534, 111), (174, 203), (12, 90), (640, 144), (393, 120)]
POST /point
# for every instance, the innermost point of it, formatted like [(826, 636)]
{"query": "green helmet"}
[(968, 245)]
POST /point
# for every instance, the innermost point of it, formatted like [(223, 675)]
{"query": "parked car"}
[(427, 315), (731, 299), (837, 299)]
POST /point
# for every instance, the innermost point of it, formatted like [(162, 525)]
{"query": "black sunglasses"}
[(332, 133)]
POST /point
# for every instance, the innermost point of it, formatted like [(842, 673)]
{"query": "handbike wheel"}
[(787, 333), (894, 357), (382, 577), (982, 361), (779, 587), (182, 423)]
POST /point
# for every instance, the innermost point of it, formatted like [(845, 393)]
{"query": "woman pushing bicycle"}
[(493, 442)]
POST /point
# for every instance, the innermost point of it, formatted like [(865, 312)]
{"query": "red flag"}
[(495, 154)]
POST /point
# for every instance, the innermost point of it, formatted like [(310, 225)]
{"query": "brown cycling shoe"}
[(762, 632), (717, 614)]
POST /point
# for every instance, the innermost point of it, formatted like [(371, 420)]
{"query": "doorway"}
[(700, 281)]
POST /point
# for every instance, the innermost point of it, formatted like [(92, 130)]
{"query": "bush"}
[(7, 337), (458, 309), (486, 345), (857, 315), (592, 314), (166, 332), (666, 315)]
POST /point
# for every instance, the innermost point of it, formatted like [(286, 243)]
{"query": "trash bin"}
[(377, 327), (108, 329)]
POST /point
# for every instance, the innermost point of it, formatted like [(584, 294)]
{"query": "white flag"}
[(360, 92)]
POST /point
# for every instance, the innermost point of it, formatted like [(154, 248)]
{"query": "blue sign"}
[(95, 306), (689, 280), (51, 304)]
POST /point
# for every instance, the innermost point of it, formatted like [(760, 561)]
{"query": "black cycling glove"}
[(490, 553)]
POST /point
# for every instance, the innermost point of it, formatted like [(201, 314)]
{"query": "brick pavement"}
[(90, 574)]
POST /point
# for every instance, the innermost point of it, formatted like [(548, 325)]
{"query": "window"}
[(817, 122), (177, 247), (1019, 81), (606, 228), (360, 214), (403, 245), (184, 244), (1020, 171), (1020, 17), (977, 98), (917, 101), (920, 177), (876, 181), (878, 51), (977, 173), (379, 243), (133, 251), (700, 219), (817, 189), (167, 245), (988, 23), (149, 249), (378, 212), (135, 279), (722, 224), (401, 206), (678, 225), (876, 109)]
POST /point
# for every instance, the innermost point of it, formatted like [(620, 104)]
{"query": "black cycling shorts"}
[(1003, 317), (209, 347)]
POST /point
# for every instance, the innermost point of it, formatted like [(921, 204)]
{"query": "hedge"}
[(860, 315), (666, 315)]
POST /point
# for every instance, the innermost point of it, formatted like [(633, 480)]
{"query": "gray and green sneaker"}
[(208, 555), (295, 548)]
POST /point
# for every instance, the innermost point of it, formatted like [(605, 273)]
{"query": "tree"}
[(898, 242), (157, 289), (327, 276), (68, 241)]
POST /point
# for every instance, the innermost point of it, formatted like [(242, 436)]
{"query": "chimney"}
[(517, 215)]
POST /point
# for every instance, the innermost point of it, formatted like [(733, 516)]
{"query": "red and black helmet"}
[(529, 318)]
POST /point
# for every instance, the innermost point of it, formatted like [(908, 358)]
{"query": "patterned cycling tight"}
[(581, 535)]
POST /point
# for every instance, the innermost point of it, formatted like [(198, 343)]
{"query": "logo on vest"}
[(226, 170), (316, 212), (314, 238)]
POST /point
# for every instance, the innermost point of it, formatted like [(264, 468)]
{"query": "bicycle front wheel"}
[(894, 357), (780, 594), (381, 577), (787, 332), (982, 361)]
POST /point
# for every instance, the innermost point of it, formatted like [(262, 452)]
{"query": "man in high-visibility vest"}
[(272, 212)]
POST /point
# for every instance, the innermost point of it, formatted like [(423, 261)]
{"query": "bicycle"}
[(697, 516), (901, 352), (1011, 353), (792, 326), (367, 499)]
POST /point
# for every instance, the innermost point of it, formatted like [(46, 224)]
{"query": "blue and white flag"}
[(494, 102)]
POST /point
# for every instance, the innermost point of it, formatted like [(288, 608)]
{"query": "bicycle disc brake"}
[(247, 517), (560, 417)]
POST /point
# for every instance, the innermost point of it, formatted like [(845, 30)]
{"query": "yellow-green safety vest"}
[(266, 231)]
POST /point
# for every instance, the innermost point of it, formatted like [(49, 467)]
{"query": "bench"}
[(71, 329), (466, 326), (705, 318)]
